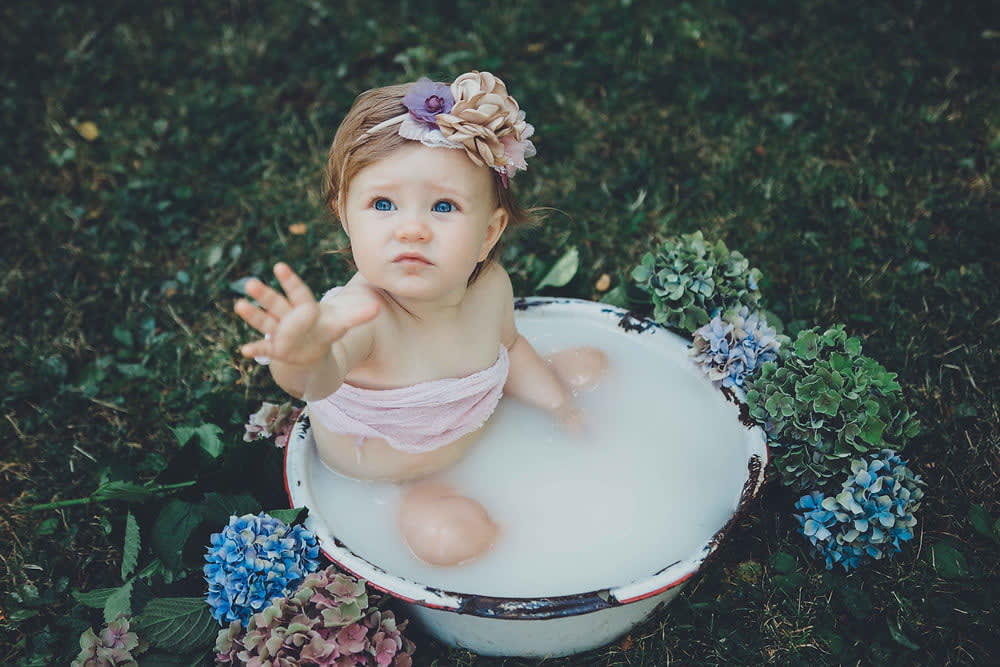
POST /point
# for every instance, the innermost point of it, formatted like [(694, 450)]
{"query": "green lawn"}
[(154, 153)]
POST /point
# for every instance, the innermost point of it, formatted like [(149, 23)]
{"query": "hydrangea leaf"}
[(208, 437), (130, 550), (95, 599), (290, 516), (179, 624), (218, 507), (119, 603), (171, 530)]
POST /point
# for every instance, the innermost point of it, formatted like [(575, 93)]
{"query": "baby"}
[(402, 366)]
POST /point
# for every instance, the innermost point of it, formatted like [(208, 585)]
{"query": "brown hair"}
[(349, 155)]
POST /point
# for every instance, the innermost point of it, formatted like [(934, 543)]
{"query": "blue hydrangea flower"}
[(254, 560), (871, 516), (730, 348)]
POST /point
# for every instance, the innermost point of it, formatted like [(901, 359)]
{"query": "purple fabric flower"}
[(426, 99)]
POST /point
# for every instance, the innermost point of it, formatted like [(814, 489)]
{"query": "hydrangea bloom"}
[(254, 560), (272, 421), (112, 648), (330, 620), (731, 349), (870, 517)]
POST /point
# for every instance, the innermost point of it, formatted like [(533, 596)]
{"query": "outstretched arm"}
[(312, 345)]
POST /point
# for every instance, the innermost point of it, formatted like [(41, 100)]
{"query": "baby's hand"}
[(298, 330)]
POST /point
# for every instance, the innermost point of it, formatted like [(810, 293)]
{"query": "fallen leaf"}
[(299, 228), (603, 283), (627, 643), (88, 130)]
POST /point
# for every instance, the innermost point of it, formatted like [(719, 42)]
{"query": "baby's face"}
[(419, 221)]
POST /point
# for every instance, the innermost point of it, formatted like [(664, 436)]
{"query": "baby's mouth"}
[(412, 258)]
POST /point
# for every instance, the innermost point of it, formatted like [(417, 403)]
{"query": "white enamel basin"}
[(557, 625)]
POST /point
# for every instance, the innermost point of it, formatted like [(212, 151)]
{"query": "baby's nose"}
[(413, 230)]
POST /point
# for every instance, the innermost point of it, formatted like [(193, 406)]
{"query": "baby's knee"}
[(443, 528), (580, 367)]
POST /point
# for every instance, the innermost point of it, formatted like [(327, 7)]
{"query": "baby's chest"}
[(418, 359)]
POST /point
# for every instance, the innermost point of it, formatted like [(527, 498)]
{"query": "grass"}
[(848, 149)]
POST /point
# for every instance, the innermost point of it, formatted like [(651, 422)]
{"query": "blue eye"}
[(383, 204), (443, 207)]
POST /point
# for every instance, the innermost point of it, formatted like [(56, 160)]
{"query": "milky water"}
[(658, 471)]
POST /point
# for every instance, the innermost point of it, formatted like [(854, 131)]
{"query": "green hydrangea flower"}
[(690, 281), (824, 403)]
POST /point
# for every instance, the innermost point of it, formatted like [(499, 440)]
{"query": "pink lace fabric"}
[(418, 418)]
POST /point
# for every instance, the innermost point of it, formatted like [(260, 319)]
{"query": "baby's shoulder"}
[(493, 283)]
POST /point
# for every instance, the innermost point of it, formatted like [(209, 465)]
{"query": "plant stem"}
[(90, 499)]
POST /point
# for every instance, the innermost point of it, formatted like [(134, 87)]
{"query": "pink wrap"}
[(418, 418)]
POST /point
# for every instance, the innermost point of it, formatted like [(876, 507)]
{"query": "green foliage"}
[(823, 404), (179, 625), (562, 271), (690, 280), (130, 550)]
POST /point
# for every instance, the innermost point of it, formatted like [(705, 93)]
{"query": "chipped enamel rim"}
[(519, 608)]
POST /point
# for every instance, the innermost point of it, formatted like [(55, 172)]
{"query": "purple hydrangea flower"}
[(426, 99), (254, 560), (731, 349)]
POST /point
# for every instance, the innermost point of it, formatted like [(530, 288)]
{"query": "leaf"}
[(790, 584), (240, 286), (95, 599), (783, 562), (949, 562), (130, 550), (172, 529), (119, 603), (981, 521), (618, 296), (898, 636), (562, 271), (179, 624), (292, 516), (47, 527), (128, 491), (165, 659), (208, 437), (218, 507)]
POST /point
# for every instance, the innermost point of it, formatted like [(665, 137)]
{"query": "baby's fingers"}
[(258, 348), (272, 301), (259, 319), (298, 292)]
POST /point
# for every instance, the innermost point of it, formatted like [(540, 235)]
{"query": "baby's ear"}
[(498, 223)]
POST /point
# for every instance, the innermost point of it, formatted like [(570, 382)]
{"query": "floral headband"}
[(474, 113)]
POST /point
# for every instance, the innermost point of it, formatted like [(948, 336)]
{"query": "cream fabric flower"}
[(483, 114)]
